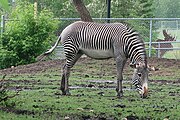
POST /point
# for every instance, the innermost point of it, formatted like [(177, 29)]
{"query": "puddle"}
[(111, 87)]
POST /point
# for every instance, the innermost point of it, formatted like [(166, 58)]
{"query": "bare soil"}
[(164, 67), (158, 63)]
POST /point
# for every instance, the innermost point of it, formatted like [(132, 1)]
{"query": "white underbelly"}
[(98, 54)]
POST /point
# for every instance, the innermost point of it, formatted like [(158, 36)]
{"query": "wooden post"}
[(13, 4), (2, 24), (150, 40), (35, 9)]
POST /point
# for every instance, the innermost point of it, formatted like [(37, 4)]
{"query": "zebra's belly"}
[(98, 54)]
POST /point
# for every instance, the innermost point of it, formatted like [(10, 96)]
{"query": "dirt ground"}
[(165, 67), (41, 66)]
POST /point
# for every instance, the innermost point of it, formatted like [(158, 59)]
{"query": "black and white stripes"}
[(103, 41), (94, 36)]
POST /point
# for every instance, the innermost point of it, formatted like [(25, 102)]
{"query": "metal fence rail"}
[(158, 49)]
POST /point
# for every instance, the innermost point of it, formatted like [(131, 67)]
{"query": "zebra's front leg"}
[(120, 65), (119, 86), (64, 81)]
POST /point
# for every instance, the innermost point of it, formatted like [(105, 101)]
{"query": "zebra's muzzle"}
[(144, 92), (144, 95)]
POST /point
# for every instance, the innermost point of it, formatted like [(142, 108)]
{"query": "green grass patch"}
[(40, 98)]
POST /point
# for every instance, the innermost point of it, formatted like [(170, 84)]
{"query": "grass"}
[(161, 104), (40, 98), (174, 54)]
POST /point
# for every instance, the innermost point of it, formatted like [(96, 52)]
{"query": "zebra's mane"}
[(136, 47)]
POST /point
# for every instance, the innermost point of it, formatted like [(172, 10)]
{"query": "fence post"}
[(150, 38), (159, 50), (108, 10), (2, 24)]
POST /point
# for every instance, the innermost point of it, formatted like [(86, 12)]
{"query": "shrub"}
[(5, 96), (27, 36), (7, 58)]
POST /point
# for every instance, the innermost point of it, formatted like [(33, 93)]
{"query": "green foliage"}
[(7, 58), (4, 94), (4, 5), (167, 8), (98, 9), (60, 8), (26, 37), (134, 9)]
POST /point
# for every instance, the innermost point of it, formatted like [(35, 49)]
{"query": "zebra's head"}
[(140, 79)]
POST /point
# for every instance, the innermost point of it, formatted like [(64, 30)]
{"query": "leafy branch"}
[(4, 97)]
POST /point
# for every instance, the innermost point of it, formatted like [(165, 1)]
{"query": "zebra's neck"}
[(136, 52)]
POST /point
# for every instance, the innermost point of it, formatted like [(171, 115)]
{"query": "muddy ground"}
[(158, 63), (43, 65), (163, 67)]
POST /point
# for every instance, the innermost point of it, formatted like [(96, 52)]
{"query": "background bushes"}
[(26, 37)]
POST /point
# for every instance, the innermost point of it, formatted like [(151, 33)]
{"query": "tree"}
[(172, 9), (98, 9), (84, 13), (4, 5), (145, 9), (167, 8), (122, 8)]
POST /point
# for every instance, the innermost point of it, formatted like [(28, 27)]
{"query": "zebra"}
[(104, 41)]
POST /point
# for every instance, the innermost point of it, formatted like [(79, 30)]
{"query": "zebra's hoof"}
[(67, 93), (143, 96), (120, 95)]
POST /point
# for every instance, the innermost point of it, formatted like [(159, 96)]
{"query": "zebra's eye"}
[(139, 74)]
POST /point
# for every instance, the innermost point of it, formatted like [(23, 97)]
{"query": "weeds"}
[(4, 93)]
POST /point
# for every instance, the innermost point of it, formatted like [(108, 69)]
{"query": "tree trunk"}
[(84, 13)]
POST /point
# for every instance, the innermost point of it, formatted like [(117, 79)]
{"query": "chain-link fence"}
[(160, 34)]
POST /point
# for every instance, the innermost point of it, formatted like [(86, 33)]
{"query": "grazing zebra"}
[(103, 41)]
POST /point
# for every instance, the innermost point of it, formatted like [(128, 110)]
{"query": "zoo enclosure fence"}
[(161, 22)]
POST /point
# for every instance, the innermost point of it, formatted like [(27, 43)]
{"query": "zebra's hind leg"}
[(64, 80), (66, 72)]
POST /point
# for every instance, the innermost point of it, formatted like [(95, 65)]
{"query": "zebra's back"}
[(98, 40)]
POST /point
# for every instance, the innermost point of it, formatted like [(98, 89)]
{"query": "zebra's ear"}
[(152, 68), (136, 65), (140, 65), (132, 65)]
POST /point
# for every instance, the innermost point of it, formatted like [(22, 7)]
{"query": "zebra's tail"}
[(44, 55)]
